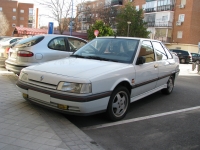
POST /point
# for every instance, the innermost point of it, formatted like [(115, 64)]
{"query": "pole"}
[(71, 20), (128, 27)]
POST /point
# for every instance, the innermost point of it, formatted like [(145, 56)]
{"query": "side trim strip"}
[(153, 80), (64, 96)]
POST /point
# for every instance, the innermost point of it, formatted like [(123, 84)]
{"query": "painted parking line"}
[(140, 118)]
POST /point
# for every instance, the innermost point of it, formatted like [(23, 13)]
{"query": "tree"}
[(61, 11), (4, 25), (137, 28), (104, 30)]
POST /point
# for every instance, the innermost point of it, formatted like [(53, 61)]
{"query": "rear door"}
[(147, 73), (165, 61)]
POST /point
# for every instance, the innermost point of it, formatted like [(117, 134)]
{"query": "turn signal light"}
[(24, 54)]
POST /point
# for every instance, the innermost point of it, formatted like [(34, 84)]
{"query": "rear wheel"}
[(197, 61), (183, 61), (170, 86), (118, 104)]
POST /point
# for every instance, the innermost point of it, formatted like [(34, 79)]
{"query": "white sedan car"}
[(105, 75), (41, 48)]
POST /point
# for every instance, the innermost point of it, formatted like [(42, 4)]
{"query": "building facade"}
[(174, 22), (17, 14)]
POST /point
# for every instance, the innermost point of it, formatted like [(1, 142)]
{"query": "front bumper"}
[(76, 105)]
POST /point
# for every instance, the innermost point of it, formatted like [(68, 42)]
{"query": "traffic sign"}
[(96, 32)]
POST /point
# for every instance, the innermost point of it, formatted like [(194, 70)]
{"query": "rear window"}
[(28, 42)]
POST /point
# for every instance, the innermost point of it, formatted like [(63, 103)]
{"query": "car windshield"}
[(109, 49)]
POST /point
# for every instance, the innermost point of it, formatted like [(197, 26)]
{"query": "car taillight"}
[(24, 54), (7, 49)]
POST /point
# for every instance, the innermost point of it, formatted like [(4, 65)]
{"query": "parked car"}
[(5, 45), (105, 75), (195, 57), (41, 48), (184, 56)]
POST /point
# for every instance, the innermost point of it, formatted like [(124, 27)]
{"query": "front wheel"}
[(170, 86), (118, 104), (183, 61)]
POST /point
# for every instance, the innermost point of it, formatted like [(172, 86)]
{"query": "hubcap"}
[(120, 104), (170, 85)]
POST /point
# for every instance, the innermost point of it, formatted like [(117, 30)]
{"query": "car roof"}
[(124, 37), (55, 35)]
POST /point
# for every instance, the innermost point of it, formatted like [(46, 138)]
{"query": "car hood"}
[(77, 67)]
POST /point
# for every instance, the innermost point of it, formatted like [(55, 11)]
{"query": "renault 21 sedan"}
[(105, 75)]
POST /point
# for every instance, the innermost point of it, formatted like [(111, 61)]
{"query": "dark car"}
[(195, 57), (183, 55)]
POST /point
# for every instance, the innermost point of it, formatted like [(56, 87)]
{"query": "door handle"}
[(156, 66)]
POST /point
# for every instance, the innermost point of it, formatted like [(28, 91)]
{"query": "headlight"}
[(23, 76), (81, 88)]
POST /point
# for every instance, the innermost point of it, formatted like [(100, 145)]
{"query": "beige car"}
[(5, 45)]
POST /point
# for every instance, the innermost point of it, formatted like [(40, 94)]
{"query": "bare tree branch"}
[(4, 25)]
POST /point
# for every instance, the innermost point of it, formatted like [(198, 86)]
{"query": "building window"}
[(21, 11), (14, 17), (21, 18), (21, 25), (144, 6), (14, 10), (181, 17), (179, 34), (137, 7), (13, 25), (183, 2), (1, 9), (30, 10), (30, 25), (164, 18)]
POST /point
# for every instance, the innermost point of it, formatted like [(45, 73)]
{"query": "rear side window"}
[(28, 42), (75, 44), (160, 52), (58, 44)]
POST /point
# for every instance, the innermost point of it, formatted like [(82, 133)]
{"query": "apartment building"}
[(17, 14), (175, 22), (90, 11)]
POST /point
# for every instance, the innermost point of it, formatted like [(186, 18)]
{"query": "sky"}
[(44, 20)]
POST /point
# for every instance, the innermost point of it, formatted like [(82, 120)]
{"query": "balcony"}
[(160, 8), (164, 39), (159, 24), (84, 19)]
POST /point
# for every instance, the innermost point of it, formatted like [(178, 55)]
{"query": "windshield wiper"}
[(77, 56), (100, 58)]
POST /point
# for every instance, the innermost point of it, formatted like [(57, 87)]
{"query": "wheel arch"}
[(124, 83)]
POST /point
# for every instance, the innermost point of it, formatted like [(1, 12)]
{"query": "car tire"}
[(182, 61), (118, 104), (170, 86), (197, 61)]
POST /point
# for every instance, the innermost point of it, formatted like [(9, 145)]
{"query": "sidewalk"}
[(24, 126)]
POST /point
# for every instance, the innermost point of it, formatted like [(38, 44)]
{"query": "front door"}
[(147, 73)]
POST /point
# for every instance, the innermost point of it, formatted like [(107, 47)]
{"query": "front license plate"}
[(39, 96)]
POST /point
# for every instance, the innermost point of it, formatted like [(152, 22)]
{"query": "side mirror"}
[(140, 60)]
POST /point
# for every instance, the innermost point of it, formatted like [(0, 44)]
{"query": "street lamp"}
[(128, 22)]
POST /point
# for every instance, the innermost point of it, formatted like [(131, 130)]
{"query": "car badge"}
[(41, 78)]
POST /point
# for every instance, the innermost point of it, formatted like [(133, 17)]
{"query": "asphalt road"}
[(157, 122)]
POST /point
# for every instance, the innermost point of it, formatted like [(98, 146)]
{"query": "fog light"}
[(61, 106), (25, 95)]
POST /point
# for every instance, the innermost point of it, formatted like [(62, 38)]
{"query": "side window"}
[(169, 55), (75, 44), (160, 52), (58, 44), (12, 41), (146, 51)]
